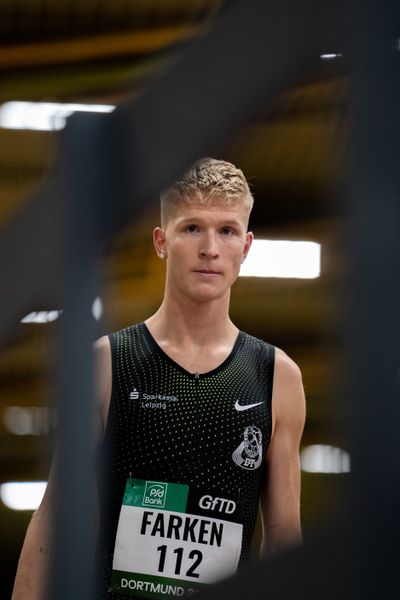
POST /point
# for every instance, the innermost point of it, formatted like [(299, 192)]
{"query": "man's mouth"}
[(207, 271)]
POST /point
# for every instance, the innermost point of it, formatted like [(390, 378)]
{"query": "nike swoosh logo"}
[(246, 406)]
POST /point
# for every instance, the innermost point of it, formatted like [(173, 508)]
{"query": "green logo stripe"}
[(151, 586), (158, 495)]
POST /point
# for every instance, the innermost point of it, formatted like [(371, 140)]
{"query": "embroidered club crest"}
[(248, 454)]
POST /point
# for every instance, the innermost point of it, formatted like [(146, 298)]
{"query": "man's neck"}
[(186, 322)]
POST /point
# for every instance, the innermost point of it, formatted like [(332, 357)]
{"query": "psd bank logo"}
[(155, 494)]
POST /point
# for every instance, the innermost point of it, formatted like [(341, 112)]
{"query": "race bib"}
[(172, 540)]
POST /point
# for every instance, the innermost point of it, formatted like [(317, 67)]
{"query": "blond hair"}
[(207, 180)]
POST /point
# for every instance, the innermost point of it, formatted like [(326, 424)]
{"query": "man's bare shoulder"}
[(102, 346), (102, 359), (103, 376), (288, 393), (286, 369)]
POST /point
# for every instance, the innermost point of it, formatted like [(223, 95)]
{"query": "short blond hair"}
[(206, 180)]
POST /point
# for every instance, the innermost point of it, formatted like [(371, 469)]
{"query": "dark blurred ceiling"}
[(293, 153)]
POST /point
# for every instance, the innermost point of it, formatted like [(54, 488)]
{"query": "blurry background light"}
[(97, 308), (319, 458), (42, 316), (43, 116), (24, 495), (47, 316), (28, 420), (330, 55), (279, 258)]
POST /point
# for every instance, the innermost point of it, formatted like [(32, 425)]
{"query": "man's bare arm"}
[(34, 565), (280, 497), (31, 579)]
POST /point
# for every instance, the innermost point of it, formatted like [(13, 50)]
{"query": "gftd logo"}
[(155, 494)]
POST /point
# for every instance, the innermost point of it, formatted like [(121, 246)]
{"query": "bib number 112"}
[(194, 555)]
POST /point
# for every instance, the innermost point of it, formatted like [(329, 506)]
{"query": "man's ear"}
[(247, 246), (159, 242)]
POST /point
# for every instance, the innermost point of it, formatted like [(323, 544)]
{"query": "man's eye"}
[(191, 228), (227, 231)]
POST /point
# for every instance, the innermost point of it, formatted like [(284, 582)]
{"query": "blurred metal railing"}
[(113, 165)]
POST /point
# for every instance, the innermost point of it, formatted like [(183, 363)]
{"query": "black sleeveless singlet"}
[(205, 436)]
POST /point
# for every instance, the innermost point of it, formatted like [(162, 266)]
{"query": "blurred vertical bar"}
[(80, 227), (373, 319)]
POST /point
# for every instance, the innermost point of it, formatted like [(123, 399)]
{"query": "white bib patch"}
[(171, 541)]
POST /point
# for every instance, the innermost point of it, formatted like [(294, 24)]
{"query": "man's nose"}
[(209, 246)]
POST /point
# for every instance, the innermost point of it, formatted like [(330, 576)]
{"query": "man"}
[(201, 422)]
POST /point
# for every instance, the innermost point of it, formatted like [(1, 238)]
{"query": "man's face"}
[(205, 246)]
